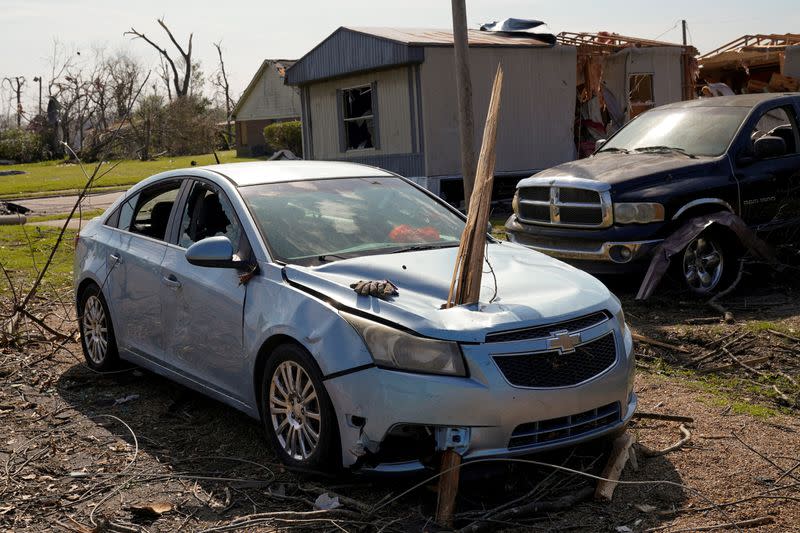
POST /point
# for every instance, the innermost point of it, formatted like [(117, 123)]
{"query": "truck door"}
[(769, 186)]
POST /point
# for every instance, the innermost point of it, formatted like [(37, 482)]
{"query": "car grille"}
[(564, 206), (566, 427), (540, 332), (557, 369)]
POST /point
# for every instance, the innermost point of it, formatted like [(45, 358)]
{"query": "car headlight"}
[(621, 319), (392, 348), (638, 213)]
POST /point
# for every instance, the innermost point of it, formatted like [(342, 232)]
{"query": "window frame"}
[(244, 250), (745, 142), (342, 120), (136, 197)]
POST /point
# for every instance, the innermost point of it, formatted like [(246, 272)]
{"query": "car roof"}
[(738, 100), (260, 172)]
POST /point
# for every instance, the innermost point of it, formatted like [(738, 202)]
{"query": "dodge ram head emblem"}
[(563, 341)]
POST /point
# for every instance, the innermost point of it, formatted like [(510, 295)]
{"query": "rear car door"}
[(769, 187), (135, 254), (204, 306)]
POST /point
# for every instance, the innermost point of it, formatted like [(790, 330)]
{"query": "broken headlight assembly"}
[(638, 213), (395, 349)]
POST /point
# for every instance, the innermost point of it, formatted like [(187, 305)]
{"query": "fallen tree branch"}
[(660, 416), (753, 522), (687, 436), (714, 303), (726, 366), (647, 340)]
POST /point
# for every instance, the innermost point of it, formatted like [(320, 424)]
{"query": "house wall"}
[(537, 108), (250, 137), (664, 63), (398, 148), (270, 99)]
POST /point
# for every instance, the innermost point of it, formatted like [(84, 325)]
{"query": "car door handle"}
[(116, 258), (171, 281)]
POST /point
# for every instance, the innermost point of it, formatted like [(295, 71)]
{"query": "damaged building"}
[(619, 77), (387, 97), (753, 64)]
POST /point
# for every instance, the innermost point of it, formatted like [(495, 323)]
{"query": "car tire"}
[(97, 331), (297, 412), (709, 263)]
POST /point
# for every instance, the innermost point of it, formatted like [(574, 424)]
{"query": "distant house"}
[(265, 100), (387, 97)]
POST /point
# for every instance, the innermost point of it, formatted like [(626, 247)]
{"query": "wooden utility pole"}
[(683, 27), (466, 122)]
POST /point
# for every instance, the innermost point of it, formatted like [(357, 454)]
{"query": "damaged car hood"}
[(615, 168), (531, 289)]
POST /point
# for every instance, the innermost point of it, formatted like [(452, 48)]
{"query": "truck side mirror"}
[(599, 144), (769, 146)]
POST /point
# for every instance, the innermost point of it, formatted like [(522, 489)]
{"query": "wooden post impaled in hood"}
[(465, 287)]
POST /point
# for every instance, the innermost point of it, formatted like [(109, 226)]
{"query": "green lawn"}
[(24, 250), (51, 176)]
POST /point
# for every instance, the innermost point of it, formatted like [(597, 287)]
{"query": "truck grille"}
[(557, 369), (539, 332), (564, 206), (565, 427)]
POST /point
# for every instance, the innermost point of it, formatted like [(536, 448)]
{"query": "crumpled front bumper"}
[(593, 250), (484, 403)]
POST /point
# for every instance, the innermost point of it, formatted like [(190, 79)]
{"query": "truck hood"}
[(532, 289), (614, 168)]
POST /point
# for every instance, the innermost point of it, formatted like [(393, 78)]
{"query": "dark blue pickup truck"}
[(609, 212)]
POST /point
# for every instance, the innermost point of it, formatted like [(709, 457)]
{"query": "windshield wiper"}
[(417, 247), (614, 149), (325, 258), (666, 149)]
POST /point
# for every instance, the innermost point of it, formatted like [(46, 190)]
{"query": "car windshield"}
[(315, 221), (695, 131)]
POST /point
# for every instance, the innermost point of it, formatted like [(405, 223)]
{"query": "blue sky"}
[(255, 29)]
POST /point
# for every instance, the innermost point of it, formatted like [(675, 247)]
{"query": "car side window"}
[(151, 216), (778, 122), (208, 213)]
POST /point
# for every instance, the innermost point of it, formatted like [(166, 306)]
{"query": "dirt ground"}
[(131, 451)]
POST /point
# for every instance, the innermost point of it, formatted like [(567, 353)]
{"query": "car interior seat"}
[(159, 218)]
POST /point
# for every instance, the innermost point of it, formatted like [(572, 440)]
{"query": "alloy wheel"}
[(295, 410), (703, 264), (95, 329)]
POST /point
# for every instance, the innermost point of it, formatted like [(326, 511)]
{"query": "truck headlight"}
[(392, 348), (638, 213), (515, 203)]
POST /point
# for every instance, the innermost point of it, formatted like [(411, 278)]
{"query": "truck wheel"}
[(708, 263)]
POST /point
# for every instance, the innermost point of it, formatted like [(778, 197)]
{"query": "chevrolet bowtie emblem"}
[(563, 341)]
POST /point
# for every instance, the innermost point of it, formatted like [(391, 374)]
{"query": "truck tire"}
[(709, 263)]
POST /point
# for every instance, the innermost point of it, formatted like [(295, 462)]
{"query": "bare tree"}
[(16, 83), (181, 81), (220, 81)]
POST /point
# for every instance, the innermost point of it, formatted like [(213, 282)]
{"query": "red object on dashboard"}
[(406, 233)]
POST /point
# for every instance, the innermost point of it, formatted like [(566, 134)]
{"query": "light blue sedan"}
[(235, 280)]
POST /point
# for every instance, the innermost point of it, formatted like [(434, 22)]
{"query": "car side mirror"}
[(214, 252), (599, 144), (769, 146)]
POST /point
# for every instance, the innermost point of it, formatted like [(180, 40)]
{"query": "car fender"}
[(273, 307)]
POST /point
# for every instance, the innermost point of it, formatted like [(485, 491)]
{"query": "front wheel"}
[(298, 415), (97, 331), (708, 263)]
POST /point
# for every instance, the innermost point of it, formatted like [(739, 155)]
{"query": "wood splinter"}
[(448, 488), (620, 453)]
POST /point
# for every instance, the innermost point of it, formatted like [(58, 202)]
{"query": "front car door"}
[(204, 306), (136, 251), (769, 187)]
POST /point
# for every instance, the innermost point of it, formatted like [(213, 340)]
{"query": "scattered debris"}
[(324, 502), (620, 453), (153, 510)]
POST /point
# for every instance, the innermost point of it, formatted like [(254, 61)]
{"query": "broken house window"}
[(358, 118), (641, 93)]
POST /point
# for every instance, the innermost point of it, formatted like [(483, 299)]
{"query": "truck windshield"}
[(311, 222), (696, 131)]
